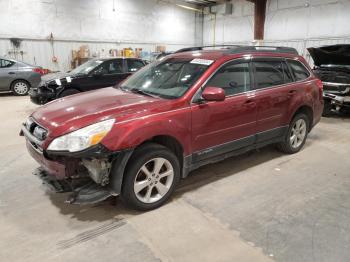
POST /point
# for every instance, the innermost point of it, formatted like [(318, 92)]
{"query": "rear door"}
[(221, 127), (274, 89), (134, 65), (7, 74)]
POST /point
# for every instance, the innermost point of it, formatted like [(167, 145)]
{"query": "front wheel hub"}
[(153, 180)]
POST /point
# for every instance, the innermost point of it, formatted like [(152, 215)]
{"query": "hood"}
[(54, 76), (330, 55), (71, 113)]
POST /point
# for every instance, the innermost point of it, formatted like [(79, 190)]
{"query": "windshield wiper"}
[(141, 92)]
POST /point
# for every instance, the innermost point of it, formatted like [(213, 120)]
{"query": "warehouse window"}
[(299, 70), (234, 78), (271, 73)]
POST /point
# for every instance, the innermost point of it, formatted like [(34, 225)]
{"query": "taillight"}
[(38, 70), (320, 88)]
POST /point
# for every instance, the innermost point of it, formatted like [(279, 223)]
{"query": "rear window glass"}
[(271, 73), (299, 71)]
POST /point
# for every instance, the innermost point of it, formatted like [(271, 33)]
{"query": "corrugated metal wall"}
[(39, 52)]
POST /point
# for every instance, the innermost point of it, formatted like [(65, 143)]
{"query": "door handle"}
[(12, 73), (292, 92), (249, 102)]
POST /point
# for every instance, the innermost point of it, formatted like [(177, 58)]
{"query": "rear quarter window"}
[(5, 63), (298, 69)]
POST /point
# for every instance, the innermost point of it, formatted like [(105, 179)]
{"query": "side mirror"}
[(213, 94)]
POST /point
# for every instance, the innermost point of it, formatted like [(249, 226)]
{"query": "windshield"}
[(169, 79), (86, 67)]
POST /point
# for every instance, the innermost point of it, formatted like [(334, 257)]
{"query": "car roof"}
[(9, 59), (115, 58)]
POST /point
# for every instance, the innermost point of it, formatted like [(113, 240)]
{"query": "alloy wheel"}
[(298, 133), (153, 180)]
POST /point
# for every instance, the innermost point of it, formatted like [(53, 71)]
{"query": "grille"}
[(35, 129)]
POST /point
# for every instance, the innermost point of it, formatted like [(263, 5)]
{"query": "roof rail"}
[(198, 48), (234, 49)]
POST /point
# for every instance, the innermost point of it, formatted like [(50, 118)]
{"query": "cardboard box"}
[(84, 51), (160, 48)]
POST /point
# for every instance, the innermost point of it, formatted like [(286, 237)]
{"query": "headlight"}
[(82, 138)]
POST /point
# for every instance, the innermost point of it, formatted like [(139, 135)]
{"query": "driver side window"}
[(234, 78)]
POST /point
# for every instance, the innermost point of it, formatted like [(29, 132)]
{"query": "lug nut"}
[(149, 179)]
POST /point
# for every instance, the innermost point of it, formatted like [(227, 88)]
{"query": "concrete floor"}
[(258, 207)]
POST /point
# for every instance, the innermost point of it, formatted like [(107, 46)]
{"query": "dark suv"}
[(94, 74), (189, 109)]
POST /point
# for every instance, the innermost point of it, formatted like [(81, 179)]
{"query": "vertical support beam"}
[(259, 19)]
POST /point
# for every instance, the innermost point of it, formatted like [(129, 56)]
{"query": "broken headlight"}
[(82, 138)]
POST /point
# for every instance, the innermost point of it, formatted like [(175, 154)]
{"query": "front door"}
[(221, 127), (109, 73)]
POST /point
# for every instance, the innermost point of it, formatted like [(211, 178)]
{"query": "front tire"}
[(20, 87), (150, 178), (327, 109), (296, 135)]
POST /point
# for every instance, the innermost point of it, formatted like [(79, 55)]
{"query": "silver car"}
[(18, 77)]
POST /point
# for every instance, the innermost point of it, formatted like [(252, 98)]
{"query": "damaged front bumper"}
[(90, 176), (40, 96), (337, 95)]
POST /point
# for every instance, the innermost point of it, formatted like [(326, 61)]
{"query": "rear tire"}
[(68, 92), (20, 87), (151, 176), (296, 135)]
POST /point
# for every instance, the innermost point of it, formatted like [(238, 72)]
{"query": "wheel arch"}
[(307, 110), (120, 164), (19, 79)]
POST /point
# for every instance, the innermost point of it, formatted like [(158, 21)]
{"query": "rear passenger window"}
[(299, 71), (234, 78), (134, 65), (271, 73)]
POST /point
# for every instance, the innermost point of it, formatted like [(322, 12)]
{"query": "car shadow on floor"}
[(113, 207)]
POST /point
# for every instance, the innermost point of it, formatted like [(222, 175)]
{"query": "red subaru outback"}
[(191, 108)]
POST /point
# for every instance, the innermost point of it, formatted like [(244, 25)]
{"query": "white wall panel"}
[(299, 24), (134, 23)]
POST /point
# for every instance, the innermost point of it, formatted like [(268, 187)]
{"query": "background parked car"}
[(332, 66), (18, 77), (94, 74)]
